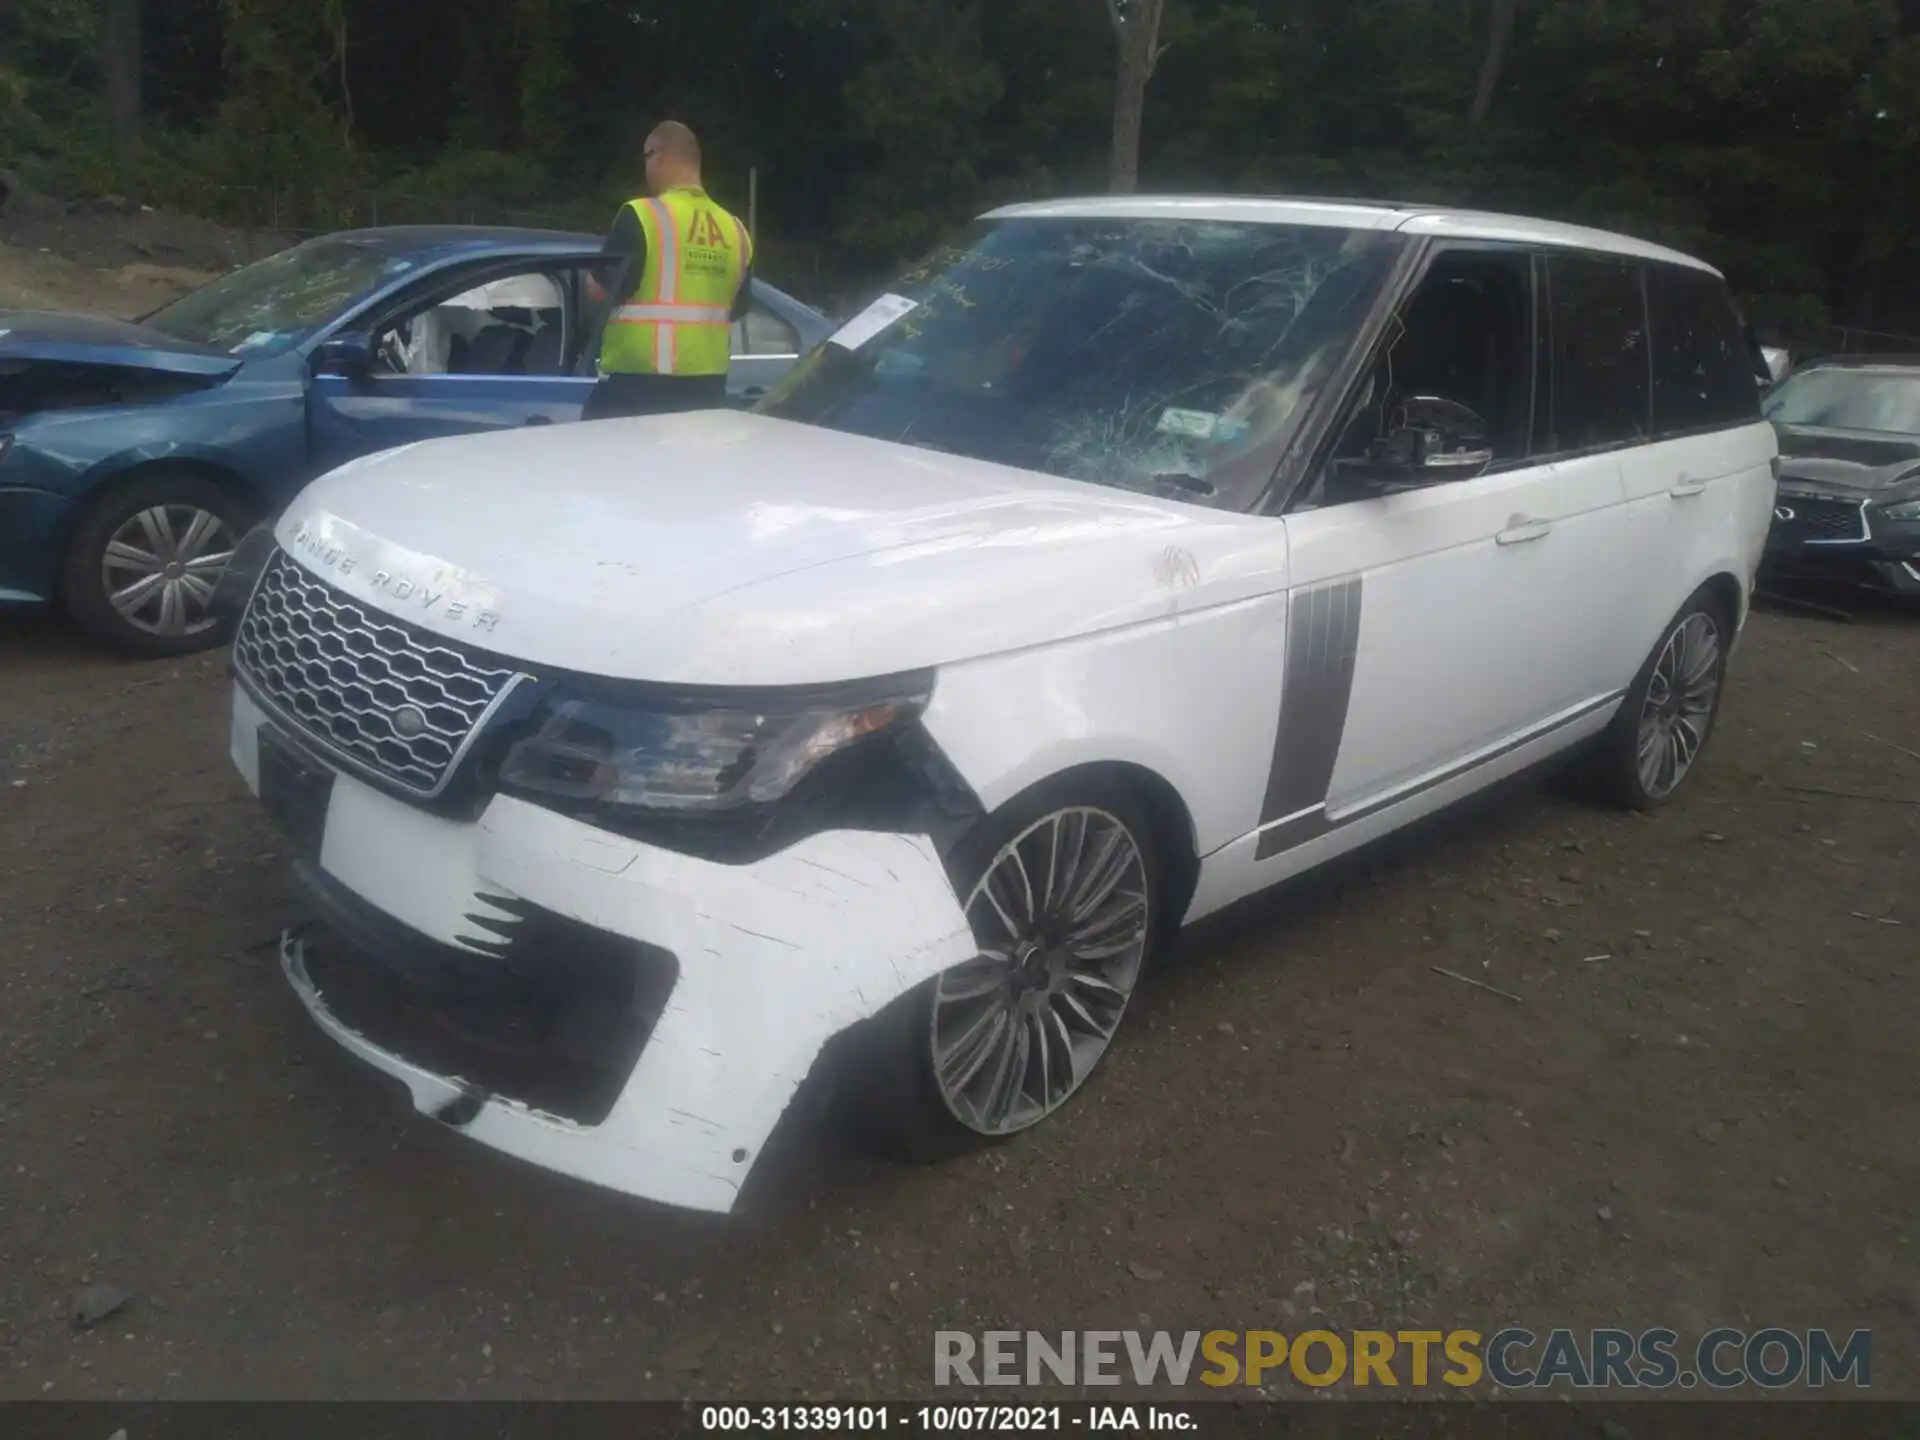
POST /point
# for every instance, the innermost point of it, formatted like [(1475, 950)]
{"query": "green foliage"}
[(503, 177), (52, 38), (548, 101), (50, 111), (919, 109), (281, 139), (1779, 138)]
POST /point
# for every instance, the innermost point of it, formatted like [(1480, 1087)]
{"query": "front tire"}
[(140, 571), (1064, 891), (1653, 745)]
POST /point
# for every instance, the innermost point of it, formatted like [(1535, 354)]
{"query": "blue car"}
[(133, 455)]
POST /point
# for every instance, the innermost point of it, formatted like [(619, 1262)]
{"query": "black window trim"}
[(1644, 267), (1337, 398), (1297, 472), (1610, 447), (1660, 435)]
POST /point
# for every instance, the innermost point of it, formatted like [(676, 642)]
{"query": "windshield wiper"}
[(1187, 484)]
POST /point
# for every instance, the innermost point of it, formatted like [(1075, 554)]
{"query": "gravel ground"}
[(1702, 1108), (115, 258)]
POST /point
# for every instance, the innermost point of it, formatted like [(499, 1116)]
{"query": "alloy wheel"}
[(1062, 916), (1678, 709)]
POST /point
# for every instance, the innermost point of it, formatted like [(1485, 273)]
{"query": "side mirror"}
[(344, 355), (1428, 441), (1779, 364)]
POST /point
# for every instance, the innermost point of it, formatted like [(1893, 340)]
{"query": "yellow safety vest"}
[(679, 320)]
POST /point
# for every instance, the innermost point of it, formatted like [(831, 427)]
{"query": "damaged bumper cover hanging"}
[(635, 1017)]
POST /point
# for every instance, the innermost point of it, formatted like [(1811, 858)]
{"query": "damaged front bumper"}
[(608, 1009)]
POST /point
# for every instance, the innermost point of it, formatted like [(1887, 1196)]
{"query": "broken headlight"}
[(689, 758)]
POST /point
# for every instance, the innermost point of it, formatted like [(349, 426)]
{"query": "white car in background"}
[(1129, 557)]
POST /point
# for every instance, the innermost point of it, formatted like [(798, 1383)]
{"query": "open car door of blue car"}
[(503, 353), (514, 349)]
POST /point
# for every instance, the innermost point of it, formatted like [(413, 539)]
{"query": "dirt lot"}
[(1718, 1123), (112, 257), (1704, 1108)]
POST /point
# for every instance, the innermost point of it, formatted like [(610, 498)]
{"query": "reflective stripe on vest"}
[(673, 315), (678, 321)]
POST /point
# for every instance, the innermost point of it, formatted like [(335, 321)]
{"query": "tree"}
[(547, 98), (1495, 60), (1776, 138), (284, 134), (920, 108), (120, 61), (1136, 33)]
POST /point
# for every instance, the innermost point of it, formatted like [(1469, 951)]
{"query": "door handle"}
[(1686, 489), (538, 420), (1520, 530), (753, 393)]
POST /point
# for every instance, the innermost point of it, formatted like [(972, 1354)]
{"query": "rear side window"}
[(1600, 391), (1702, 370)]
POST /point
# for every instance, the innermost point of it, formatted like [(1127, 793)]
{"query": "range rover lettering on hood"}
[(409, 585)]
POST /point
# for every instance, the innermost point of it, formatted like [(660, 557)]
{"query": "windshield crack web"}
[(1164, 356), (1128, 444)]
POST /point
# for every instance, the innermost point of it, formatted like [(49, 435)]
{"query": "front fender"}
[(253, 434), (32, 522), (1194, 699)]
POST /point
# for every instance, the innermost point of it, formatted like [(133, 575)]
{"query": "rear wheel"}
[(141, 569), (1655, 741), (1064, 894)]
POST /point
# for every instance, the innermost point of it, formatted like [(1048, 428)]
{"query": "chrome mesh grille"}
[(343, 672)]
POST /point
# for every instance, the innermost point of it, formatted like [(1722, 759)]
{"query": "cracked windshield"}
[(277, 302), (1171, 357)]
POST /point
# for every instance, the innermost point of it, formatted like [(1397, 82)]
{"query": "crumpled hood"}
[(1844, 461), (727, 548), (98, 340)]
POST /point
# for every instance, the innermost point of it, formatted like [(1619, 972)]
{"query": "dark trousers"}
[(654, 395)]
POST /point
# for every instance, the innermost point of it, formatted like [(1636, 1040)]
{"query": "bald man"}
[(683, 277)]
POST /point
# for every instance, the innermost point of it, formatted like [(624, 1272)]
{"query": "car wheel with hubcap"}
[(141, 568), (1063, 892), (1655, 741)]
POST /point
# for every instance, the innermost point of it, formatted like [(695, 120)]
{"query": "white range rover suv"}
[(1127, 557)]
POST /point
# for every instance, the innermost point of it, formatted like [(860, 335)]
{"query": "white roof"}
[(1353, 215)]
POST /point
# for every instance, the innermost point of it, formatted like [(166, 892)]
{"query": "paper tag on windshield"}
[(1194, 424), (872, 320)]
